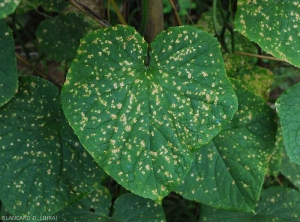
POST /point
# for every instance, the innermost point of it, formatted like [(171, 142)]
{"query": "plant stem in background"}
[(119, 14), (144, 16), (155, 20), (89, 13), (175, 13), (215, 20), (259, 56)]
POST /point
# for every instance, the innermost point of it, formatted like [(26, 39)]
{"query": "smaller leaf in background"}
[(276, 204), (60, 36), (253, 78), (288, 109), (7, 7), (130, 207), (8, 64), (27, 5), (43, 167), (273, 24), (94, 207), (53, 5), (229, 172)]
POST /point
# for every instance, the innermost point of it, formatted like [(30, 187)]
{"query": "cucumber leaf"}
[(288, 108), (229, 172), (273, 24), (276, 204), (141, 117), (8, 7), (8, 65), (43, 167)]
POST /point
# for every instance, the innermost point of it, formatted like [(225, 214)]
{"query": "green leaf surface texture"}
[(7, 7), (130, 207), (273, 24), (288, 109), (43, 167), (277, 204), (276, 157), (290, 170), (8, 65), (60, 36), (141, 123), (229, 172), (92, 208)]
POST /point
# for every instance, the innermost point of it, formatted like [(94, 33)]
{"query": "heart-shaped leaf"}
[(43, 167), (8, 65), (288, 108), (142, 117), (273, 24), (228, 173)]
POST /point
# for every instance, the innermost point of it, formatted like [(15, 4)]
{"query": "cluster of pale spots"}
[(287, 106), (59, 37), (34, 157), (8, 70), (229, 172), (7, 7), (274, 25), (130, 207), (280, 202), (255, 79), (140, 123)]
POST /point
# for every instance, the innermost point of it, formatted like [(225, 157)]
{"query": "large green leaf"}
[(288, 108), (273, 24), (8, 7), (228, 173), (276, 204), (59, 37), (141, 123), (8, 65), (130, 207), (43, 167)]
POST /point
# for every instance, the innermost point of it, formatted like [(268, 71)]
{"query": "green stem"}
[(215, 20)]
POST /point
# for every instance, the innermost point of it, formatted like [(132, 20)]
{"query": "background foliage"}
[(200, 124)]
